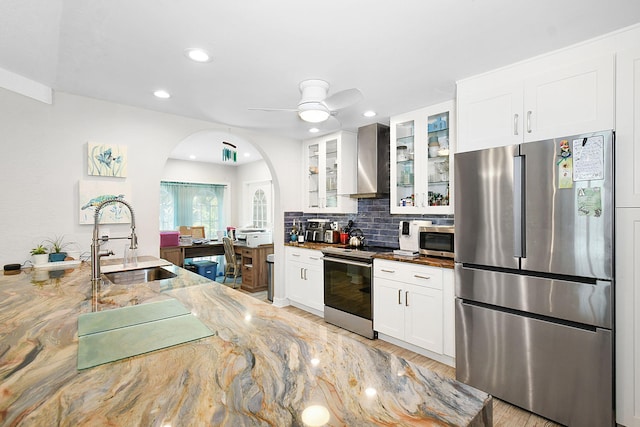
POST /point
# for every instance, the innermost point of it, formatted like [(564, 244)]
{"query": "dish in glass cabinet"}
[(313, 169)]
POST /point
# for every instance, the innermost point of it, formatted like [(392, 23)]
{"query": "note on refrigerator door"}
[(589, 202), (588, 158)]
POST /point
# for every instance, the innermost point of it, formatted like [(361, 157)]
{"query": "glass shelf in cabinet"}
[(437, 131), (405, 139)]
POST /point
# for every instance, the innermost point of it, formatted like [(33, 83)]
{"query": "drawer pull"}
[(418, 276), (315, 258), (384, 270), (295, 255)]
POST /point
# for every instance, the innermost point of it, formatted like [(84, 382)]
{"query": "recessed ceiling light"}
[(369, 113), (198, 55), (160, 93), (247, 154), (192, 157), (314, 130)]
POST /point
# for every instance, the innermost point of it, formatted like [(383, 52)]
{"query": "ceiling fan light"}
[(313, 113), (197, 55)]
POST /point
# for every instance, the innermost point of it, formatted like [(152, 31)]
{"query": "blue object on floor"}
[(207, 269)]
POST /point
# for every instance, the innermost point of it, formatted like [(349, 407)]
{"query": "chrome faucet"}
[(96, 241)]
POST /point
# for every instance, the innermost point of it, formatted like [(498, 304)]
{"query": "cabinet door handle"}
[(529, 121), (305, 274), (515, 124), (301, 276), (418, 276), (399, 296), (387, 271), (406, 299)]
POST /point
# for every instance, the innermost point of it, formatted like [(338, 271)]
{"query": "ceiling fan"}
[(314, 105)]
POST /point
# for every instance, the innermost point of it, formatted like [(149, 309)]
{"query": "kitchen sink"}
[(142, 275)]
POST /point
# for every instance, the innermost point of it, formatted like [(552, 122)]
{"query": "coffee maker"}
[(315, 230)]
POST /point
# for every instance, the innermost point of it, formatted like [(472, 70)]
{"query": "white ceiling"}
[(401, 55)]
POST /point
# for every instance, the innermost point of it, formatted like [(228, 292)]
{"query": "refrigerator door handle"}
[(518, 208)]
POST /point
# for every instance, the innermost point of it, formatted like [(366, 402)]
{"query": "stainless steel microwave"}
[(437, 240)]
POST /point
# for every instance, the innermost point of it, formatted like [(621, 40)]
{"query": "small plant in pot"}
[(56, 248), (39, 254)]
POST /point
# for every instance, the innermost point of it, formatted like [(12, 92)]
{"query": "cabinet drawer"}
[(306, 256), (419, 275)]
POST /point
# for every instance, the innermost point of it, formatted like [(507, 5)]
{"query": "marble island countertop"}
[(263, 366)]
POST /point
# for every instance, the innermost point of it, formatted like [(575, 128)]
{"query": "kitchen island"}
[(262, 366)]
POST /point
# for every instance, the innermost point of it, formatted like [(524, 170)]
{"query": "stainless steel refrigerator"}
[(534, 246)]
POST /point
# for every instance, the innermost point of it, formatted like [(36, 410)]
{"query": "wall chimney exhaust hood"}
[(373, 161)]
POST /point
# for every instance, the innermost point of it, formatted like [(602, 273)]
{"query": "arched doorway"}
[(245, 192)]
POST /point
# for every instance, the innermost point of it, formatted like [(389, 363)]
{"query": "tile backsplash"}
[(379, 227)]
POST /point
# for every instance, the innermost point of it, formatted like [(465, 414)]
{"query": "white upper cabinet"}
[(534, 101), (330, 173), (421, 157), (628, 129)]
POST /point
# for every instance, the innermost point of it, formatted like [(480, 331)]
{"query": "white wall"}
[(44, 157)]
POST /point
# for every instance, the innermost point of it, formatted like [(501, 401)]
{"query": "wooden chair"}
[(195, 231), (233, 264)]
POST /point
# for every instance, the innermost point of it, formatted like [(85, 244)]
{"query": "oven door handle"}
[(346, 261)]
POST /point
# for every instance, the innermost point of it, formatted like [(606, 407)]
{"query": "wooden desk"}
[(254, 266), (177, 254), (254, 260)]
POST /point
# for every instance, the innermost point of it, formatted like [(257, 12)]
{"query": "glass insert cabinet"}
[(330, 173), (422, 146)]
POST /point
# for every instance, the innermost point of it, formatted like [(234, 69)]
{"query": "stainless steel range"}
[(348, 290)]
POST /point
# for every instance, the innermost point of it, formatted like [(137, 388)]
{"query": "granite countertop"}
[(423, 260), (262, 366)]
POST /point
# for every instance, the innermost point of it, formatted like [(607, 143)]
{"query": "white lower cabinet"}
[(449, 313), (304, 277), (409, 308)]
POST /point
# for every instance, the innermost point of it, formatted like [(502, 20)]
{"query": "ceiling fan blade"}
[(343, 99), (274, 109)]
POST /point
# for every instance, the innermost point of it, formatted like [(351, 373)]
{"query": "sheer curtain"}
[(186, 203)]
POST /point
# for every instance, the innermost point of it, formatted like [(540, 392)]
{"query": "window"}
[(184, 203), (259, 209), (258, 204)]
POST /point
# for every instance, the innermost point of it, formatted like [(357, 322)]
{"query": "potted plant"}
[(39, 255), (56, 249)]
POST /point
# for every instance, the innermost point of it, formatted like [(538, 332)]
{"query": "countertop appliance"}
[(315, 229), (437, 240), (347, 288), (534, 276), (409, 235), (332, 236)]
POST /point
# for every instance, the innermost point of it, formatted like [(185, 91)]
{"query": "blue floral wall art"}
[(107, 160)]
